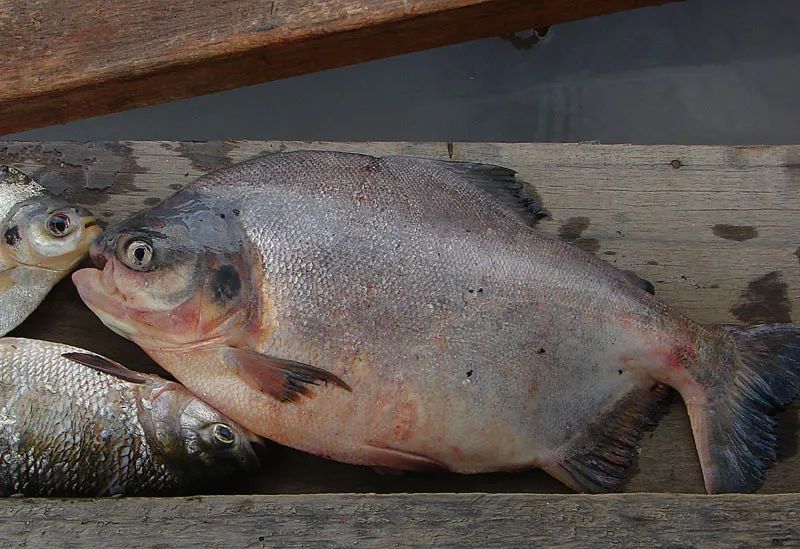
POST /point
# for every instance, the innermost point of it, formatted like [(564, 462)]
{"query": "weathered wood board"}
[(402, 520), (61, 62), (716, 229)]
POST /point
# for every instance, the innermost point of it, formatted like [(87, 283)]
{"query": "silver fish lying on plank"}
[(449, 334), (43, 240), (71, 430)]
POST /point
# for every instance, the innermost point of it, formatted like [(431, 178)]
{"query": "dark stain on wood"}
[(766, 299), (652, 262), (739, 233), (677, 164), (206, 156), (81, 172), (572, 230), (152, 201), (797, 254)]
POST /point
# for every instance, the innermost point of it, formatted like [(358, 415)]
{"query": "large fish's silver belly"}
[(482, 348), (66, 429)]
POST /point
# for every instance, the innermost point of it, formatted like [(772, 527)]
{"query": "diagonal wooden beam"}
[(63, 61)]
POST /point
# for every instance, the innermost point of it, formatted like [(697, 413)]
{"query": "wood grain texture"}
[(463, 520), (716, 229), (61, 62)]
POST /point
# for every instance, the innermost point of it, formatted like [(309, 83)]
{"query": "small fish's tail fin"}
[(754, 372)]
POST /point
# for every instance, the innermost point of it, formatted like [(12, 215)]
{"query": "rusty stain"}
[(572, 230), (739, 233), (766, 299), (206, 156)]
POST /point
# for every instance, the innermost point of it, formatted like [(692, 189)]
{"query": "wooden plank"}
[(61, 63), (665, 211), (465, 520)]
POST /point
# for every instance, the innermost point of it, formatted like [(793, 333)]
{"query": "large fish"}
[(443, 331), (71, 430), (42, 239)]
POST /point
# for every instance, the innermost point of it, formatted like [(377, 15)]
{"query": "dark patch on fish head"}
[(225, 283), (572, 230), (174, 275), (765, 300), (739, 233), (84, 173), (12, 236), (206, 156), (191, 437)]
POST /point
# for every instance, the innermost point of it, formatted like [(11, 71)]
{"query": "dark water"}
[(700, 71)]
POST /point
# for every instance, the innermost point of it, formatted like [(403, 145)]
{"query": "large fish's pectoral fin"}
[(6, 282), (599, 458), (285, 380), (392, 459), (107, 366)]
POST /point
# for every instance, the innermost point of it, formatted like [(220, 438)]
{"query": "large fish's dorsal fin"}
[(600, 458), (107, 366), (504, 187)]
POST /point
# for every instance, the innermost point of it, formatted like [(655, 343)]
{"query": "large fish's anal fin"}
[(391, 459), (504, 187), (755, 373), (599, 459), (284, 380), (107, 366)]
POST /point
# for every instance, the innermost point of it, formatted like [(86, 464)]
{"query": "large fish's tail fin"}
[(754, 372)]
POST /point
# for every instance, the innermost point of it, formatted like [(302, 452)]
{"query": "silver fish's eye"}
[(58, 224), (223, 433), (138, 254)]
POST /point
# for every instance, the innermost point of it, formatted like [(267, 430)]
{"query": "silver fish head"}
[(182, 264), (195, 438), (39, 230)]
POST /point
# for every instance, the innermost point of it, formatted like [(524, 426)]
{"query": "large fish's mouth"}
[(104, 301)]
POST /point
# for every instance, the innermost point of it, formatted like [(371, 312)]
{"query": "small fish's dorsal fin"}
[(502, 185), (107, 366), (600, 459), (284, 380)]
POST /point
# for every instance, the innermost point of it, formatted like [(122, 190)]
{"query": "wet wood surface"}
[(716, 229), (421, 520), (62, 62)]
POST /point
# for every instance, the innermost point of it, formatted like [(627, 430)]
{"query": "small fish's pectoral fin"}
[(6, 282), (107, 366), (285, 380), (599, 459), (400, 460)]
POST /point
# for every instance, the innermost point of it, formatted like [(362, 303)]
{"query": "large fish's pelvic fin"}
[(734, 430), (600, 458), (285, 380)]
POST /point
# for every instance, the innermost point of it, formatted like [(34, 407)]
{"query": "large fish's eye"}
[(58, 225), (138, 254), (223, 433)]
